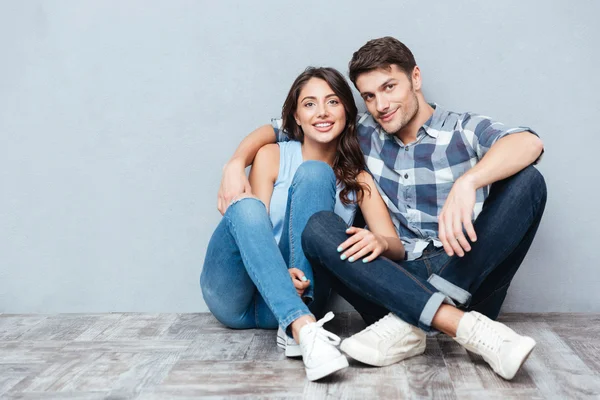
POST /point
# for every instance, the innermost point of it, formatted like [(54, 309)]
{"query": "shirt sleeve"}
[(280, 134), (483, 132)]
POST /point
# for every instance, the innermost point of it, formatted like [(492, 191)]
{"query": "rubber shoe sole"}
[(367, 356), (290, 351), (326, 369)]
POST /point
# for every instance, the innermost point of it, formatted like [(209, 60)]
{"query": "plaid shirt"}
[(415, 179)]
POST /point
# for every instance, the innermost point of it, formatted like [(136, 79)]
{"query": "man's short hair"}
[(381, 53)]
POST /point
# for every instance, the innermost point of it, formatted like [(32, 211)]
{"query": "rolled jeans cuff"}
[(431, 307), (287, 321), (456, 293)]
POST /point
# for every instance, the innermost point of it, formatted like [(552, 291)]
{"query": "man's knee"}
[(531, 179), (319, 226)]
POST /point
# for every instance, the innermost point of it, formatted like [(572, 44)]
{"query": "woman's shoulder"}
[(267, 160)]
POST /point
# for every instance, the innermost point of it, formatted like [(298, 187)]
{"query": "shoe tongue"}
[(465, 326), (308, 328)]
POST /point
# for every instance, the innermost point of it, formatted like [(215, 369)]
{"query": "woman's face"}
[(320, 113)]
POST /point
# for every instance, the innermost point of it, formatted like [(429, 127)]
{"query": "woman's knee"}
[(311, 172), (246, 208)]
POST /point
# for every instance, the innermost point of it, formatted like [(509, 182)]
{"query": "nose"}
[(322, 110), (382, 104)]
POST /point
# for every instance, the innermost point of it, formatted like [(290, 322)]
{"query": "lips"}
[(387, 117), (323, 126)]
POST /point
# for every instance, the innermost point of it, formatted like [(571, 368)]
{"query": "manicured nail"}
[(351, 259), (339, 249), (343, 257), (365, 260), (303, 279)]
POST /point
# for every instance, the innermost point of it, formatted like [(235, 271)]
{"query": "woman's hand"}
[(361, 243), (299, 280)]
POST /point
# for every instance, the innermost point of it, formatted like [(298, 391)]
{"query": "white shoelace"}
[(487, 336), (385, 327), (322, 334)]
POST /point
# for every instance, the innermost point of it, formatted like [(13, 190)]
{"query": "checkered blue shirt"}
[(415, 179)]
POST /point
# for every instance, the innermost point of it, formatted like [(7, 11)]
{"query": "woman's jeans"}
[(414, 290), (245, 279)]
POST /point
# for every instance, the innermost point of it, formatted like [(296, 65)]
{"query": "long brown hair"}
[(349, 160)]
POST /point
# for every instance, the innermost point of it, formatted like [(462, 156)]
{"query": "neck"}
[(319, 151), (408, 133)]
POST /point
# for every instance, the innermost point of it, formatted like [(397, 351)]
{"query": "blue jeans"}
[(414, 290), (245, 282)]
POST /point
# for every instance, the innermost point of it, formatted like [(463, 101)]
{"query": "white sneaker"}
[(292, 349), (385, 342), (503, 349), (319, 352)]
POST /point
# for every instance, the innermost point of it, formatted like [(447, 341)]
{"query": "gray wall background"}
[(117, 116)]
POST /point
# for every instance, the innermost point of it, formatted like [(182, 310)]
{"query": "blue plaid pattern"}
[(415, 179)]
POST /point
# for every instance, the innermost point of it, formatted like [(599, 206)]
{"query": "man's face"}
[(390, 97)]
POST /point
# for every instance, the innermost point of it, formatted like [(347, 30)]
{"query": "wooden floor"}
[(156, 356)]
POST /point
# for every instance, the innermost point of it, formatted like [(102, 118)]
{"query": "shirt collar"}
[(434, 124)]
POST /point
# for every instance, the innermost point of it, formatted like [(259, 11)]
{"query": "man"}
[(464, 239)]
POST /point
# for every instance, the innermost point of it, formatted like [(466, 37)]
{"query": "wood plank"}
[(263, 347), (272, 379), (189, 326), (14, 326), (128, 346), (553, 366), (226, 346), (138, 327)]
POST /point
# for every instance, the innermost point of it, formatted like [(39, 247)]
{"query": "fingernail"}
[(339, 249), (351, 259), (303, 279), (365, 260), (343, 257)]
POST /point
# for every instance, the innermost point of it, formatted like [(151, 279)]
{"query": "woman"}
[(255, 273)]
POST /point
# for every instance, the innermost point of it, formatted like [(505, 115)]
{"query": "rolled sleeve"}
[(486, 132), (280, 134)]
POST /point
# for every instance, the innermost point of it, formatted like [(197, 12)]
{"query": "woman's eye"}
[(309, 104), (334, 102)]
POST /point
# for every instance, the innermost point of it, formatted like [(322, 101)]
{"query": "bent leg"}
[(313, 189), (381, 281), (249, 227), (505, 230)]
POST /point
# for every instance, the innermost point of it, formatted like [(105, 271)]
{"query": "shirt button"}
[(406, 148), (405, 176)]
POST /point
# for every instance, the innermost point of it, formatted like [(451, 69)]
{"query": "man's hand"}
[(299, 280), (456, 215), (233, 184), (361, 243)]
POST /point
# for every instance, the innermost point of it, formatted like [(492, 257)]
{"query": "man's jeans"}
[(414, 290), (245, 281)]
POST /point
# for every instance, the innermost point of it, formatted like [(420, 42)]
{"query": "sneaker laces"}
[(487, 336), (385, 327), (318, 332)]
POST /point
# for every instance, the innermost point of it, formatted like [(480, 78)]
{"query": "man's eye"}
[(390, 87)]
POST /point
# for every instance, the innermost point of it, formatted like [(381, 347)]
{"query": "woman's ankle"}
[(297, 324)]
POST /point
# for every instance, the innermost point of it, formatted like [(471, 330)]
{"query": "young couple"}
[(451, 201)]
